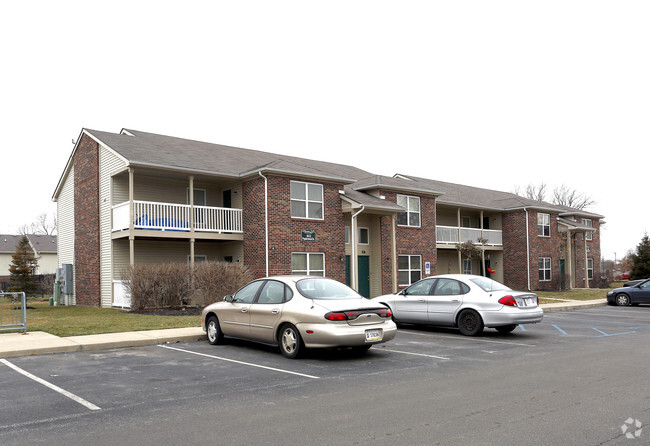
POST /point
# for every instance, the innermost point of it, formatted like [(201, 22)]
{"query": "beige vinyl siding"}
[(163, 251), (65, 224), (47, 263), (5, 261), (108, 163)]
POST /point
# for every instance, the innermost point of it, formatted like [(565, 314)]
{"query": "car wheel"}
[(506, 328), (622, 300), (470, 323), (215, 336), (290, 342)]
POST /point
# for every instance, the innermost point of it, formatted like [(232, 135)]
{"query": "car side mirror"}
[(228, 298), (403, 292)]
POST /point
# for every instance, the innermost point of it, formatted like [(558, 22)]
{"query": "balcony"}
[(168, 217), (451, 235)]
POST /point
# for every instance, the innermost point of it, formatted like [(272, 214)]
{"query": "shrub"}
[(214, 280), (165, 285)]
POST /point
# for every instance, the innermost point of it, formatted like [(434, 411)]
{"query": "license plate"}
[(373, 335)]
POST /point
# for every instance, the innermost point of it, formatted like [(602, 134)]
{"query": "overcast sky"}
[(494, 94)]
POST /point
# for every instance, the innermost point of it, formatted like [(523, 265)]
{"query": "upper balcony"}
[(452, 235), (176, 218)]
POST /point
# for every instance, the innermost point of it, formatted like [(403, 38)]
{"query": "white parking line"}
[(414, 354), (72, 396), (467, 338), (241, 362)]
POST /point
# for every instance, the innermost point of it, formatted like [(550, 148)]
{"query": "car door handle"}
[(275, 311), (455, 300), (421, 299), (244, 310)]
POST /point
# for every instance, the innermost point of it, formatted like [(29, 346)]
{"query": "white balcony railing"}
[(451, 234), (176, 217)]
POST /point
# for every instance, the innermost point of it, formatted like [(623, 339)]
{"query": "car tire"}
[(470, 323), (505, 329), (290, 342), (623, 300), (215, 335)]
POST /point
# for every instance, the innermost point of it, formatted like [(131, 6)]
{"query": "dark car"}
[(638, 293)]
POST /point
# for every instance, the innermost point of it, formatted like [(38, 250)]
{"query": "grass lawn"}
[(79, 320), (577, 294)]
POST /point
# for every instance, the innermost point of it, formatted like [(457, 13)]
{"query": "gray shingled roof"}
[(458, 194), (149, 149), (371, 202), (41, 243)]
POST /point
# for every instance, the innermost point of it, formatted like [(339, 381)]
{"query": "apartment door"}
[(227, 198), (363, 274)]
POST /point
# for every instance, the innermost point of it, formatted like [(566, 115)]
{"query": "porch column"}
[(584, 239), (569, 265), (483, 247), (460, 257), (191, 193), (131, 220), (393, 248)]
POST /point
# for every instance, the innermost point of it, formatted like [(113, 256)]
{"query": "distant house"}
[(135, 197), (44, 247)]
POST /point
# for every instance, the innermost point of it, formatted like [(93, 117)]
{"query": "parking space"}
[(74, 385)]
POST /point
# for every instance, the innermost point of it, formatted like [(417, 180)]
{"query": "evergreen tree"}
[(21, 269), (641, 259)]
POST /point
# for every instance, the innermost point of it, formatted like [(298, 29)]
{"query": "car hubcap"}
[(470, 322), (289, 341), (622, 300), (212, 331)]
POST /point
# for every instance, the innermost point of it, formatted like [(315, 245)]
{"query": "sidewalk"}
[(38, 342)]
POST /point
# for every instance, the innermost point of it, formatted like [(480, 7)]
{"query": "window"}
[(274, 293), (199, 196), (347, 235), (197, 259), (247, 294), (544, 225), (364, 237), (306, 200), (412, 215), (409, 269), (544, 269), (450, 287), (308, 263), (466, 222), (422, 288), (588, 235), (590, 269), (467, 266)]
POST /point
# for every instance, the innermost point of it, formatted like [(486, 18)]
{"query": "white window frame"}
[(205, 196), (359, 242), (409, 211), (545, 269), (590, 268), (347, 235), (308, 271), (306, 200), (410, 269), (543, 224), (589, 236), (467, 266)]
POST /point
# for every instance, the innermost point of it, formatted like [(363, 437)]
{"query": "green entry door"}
[(364, 274)]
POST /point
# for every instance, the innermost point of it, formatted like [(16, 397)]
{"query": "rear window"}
[(489, 285), (325, 289)]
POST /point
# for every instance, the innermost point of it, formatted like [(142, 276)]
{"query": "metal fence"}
[(13, 312)]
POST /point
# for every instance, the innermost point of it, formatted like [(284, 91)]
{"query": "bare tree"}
[(532, 192), (43, 225), (564, 196)]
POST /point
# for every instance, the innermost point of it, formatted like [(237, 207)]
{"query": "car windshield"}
[(325, 289), (489, 284)]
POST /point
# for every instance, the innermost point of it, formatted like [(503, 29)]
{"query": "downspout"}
[(266, 220), (527, 250), (353, 240)]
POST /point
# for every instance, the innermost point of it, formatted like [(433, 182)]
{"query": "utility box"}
[(64, 277)]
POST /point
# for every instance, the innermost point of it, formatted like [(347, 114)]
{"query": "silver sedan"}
[(298, 312), (464, 301)]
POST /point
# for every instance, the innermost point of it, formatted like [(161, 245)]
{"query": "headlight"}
[(609, 293)]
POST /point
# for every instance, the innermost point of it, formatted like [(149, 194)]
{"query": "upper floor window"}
[(364, 236), (306, 200), (347, 235), (589, 235), (412, 215), (544, 225)]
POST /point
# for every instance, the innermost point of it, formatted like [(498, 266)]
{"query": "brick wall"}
[(410, 240), (86, 222), (285, 231)]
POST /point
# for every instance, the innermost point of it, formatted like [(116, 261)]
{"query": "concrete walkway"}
[(38, 342)]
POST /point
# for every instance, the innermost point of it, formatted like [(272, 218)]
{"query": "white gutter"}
[(527, 249), (353, 242), (266, 220)]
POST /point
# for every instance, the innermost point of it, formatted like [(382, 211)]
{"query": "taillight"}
[(508, 300), (336, 317), (385, 313)]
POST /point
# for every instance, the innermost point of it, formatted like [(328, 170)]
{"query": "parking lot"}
[(171, 389)]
